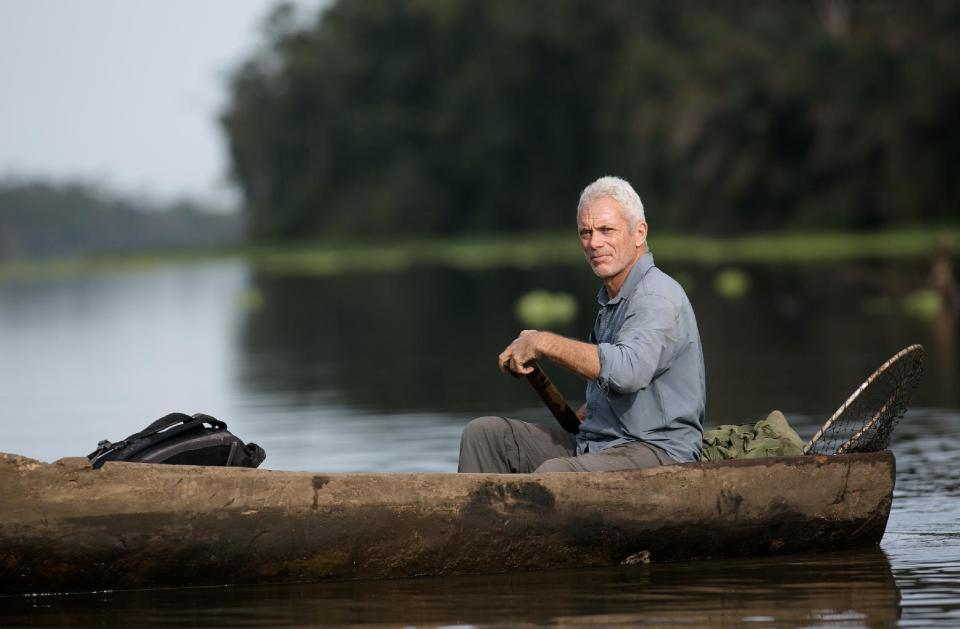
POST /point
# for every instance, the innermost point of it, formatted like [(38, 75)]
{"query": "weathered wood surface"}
[(64, 526)]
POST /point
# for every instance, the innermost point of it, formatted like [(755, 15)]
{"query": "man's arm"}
[(579, 357), (643, 346)]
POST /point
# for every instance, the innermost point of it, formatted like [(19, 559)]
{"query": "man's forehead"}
[(602, 210)]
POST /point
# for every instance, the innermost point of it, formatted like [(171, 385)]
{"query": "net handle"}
[(843, 407)]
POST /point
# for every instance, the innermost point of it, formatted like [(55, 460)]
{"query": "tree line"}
[(431, 116), (47, 219)]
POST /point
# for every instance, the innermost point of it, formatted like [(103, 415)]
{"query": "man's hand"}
[(580, 358), (520, 353)]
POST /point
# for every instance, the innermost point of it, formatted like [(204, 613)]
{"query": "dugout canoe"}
[(67, 527)]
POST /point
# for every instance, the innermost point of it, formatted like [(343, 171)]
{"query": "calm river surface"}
[(380, 372)]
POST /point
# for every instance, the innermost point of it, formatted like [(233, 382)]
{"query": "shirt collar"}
[(640, 268)]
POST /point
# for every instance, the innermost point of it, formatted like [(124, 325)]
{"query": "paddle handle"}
[(553, 399)]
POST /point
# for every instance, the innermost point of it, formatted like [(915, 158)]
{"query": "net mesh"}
[(865, 422)]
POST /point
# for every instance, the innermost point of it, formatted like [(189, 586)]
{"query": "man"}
[(643, 363)]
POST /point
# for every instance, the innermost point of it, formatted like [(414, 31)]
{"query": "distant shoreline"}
[(519, 250)]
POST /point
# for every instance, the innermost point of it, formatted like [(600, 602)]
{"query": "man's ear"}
[(640, 233)]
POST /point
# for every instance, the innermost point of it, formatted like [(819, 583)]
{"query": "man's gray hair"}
[(620, 191)]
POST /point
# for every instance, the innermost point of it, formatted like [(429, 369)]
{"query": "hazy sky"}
[(123, 92)]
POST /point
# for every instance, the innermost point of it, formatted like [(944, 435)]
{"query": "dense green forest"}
[(432, 116), (46, 219)]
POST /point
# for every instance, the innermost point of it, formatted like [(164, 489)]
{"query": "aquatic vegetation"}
[(924, 303), (731, 283), (543, 309), (518, 250), (553, 248)]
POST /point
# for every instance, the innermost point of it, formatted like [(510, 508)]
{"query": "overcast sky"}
[(122, 92)]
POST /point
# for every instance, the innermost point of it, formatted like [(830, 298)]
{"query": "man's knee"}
[(483, 429), (562, 464), (483, 446)]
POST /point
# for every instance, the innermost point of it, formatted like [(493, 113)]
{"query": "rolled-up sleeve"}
[(642, 347)]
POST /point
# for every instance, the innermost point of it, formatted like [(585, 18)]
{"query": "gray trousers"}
[(510, 446)]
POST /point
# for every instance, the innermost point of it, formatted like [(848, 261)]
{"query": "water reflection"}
[(856, 588), (425, 339)]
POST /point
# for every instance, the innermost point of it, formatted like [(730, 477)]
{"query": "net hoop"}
[(915, 351)]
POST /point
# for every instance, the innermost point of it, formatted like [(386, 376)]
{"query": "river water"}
[(380, 372)]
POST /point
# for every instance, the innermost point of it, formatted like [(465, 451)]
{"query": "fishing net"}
[(865, 422)]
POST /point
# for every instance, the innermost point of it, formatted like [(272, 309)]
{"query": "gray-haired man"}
[(644, 364)]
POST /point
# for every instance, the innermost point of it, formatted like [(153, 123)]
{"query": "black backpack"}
[(181, 439)]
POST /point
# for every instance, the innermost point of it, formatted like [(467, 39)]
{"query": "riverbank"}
[(513, 250)]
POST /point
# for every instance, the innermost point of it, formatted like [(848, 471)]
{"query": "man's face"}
[(609, 244)]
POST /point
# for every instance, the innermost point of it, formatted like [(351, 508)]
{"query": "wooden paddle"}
[(551, 397)]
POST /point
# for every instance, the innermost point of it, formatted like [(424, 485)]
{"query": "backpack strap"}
[(161, 424), (186, 422), (210, 419)]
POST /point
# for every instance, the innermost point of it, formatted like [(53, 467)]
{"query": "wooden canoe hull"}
[(65, 526)]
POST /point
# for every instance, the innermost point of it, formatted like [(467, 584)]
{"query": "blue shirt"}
[(651, 386)]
